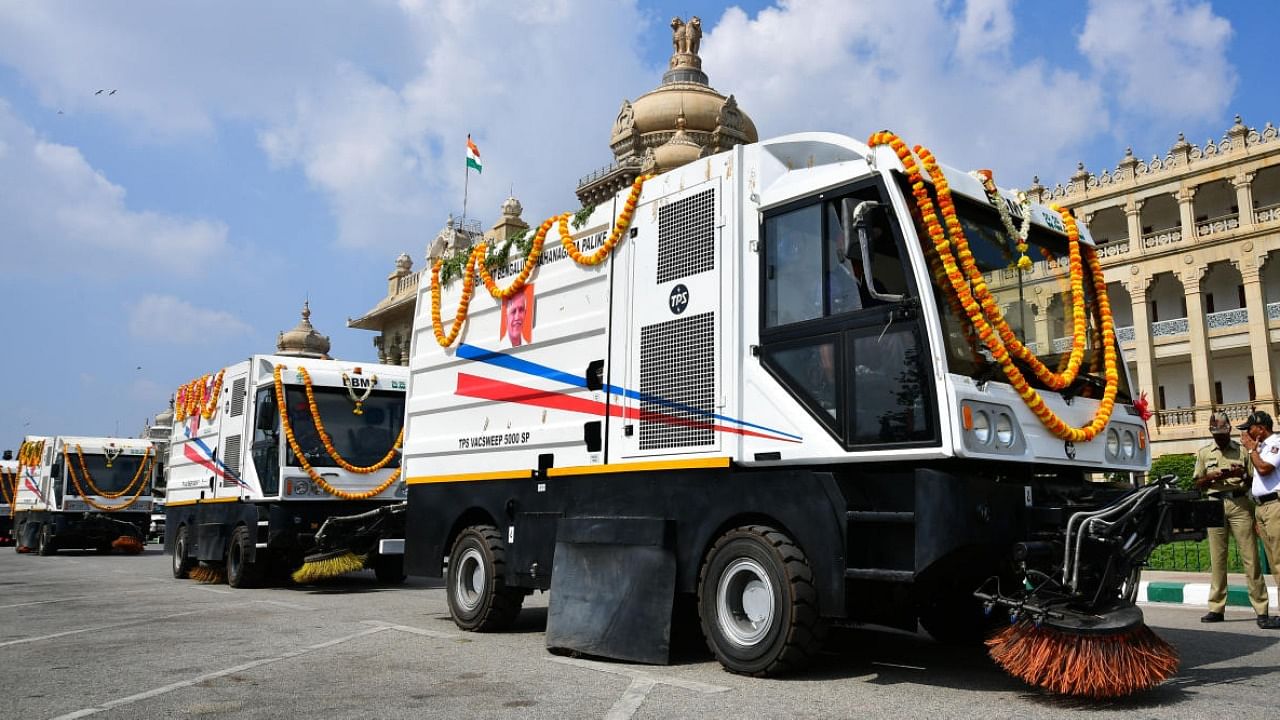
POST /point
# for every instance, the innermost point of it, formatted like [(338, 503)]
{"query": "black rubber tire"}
[(44, 543), (181, 561), (389, 569), (102, 549), (491, 606), (794, 631), (241, 573)]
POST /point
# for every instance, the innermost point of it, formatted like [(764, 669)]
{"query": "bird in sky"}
[(99, 92), (113, 92)]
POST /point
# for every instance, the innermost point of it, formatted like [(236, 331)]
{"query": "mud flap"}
[(612, 586)]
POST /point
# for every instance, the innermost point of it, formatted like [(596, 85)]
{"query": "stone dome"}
[(678, 150), (512, 208), (303, 340), (646, 136)]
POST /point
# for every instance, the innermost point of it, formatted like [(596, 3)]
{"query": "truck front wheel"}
[(241, 573), (182, 562), (44, 545), (757, 603), (476, 588)]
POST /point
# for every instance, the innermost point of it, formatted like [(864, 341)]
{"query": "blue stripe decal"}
[(471, 352), (219, 466)]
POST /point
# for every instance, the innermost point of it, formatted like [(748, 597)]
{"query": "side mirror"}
[(857, 218)]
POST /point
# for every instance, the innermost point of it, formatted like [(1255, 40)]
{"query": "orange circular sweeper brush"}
[(1115, 657), (128, 544)]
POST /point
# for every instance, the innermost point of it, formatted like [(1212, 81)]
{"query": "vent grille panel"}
[(677, 383), (237, 397), (231, 458), (686, 236)]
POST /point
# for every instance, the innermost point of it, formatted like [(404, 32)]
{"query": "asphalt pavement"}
[(113, 636)]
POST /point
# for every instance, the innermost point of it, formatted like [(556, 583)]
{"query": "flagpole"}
[(466, 180)]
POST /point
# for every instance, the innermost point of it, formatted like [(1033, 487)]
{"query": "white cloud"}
[(62, 215), (169, 320), (940, 79), (1164, 57)]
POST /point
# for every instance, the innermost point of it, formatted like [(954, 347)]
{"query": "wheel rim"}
[(469, 580), (179, 553), (744, 602)]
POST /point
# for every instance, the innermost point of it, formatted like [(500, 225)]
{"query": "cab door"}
[(232, 405), (841, 329)]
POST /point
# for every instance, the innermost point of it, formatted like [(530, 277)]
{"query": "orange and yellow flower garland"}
[(328, 445), (71, 471), (84, 469), (475, 264), (29, 453), (9, 486), (198, 397), (995, 340)]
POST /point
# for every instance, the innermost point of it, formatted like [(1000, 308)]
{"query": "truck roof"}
[(800, 163)]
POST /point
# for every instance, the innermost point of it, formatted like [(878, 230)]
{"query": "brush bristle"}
[(23, 549), (207, 575), (127, 544), (1092, 666), (314, 570)]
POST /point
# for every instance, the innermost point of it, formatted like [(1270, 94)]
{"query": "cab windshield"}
[(1036, 304), (112, 479), (361, 439)]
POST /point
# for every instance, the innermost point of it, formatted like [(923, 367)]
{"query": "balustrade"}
[(1126, 334), (1161, 237), (1217, 225), (1267, 213), (1113, 248), (1176, 326), (1176, 416), (1227, 318), (1273, 311)]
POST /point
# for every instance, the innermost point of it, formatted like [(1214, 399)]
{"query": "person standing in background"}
[(1262, 448), (1222, 471)]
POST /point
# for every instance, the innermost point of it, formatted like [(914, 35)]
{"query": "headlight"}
[(1004, 430), (301, 487), (982, 427), (1128, 445), (1113, 442)]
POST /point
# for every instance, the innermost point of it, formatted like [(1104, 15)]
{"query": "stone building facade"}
[(1188, 243)]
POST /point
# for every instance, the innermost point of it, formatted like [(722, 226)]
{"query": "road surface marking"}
[(148, 694)]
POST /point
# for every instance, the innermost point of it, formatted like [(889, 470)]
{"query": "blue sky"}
[(256, 154)]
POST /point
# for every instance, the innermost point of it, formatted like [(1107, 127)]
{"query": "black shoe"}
[(1267, 622), (1218, 617)]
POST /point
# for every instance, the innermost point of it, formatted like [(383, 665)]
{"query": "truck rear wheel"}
[(44, 545), (241, 572), (758, 604), (182, 563), (478, 597)]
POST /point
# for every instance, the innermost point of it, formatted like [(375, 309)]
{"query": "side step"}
[(880, 574), (880, 517)]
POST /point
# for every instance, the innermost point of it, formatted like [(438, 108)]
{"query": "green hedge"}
[(1180, 464)]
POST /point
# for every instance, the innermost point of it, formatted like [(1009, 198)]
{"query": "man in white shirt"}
[(1262, 448)]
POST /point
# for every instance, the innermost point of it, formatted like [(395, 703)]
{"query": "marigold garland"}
[(328, 445), (979, 314), (475, 264), (9, 487), (71, 471), (29, 453), (84, 469), (197, 397)]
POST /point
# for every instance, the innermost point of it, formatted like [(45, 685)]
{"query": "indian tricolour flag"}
[(473, 155)]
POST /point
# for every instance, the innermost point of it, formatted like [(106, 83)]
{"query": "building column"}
[(1133, 214), (1255, 302), (1244, 198), (1187, 210), (1143, 347), (1201, 361)]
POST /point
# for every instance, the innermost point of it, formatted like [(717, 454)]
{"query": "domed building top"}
[(712, 122), (303, 340), (511, 208)]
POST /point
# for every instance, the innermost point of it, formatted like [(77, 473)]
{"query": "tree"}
[(1179, 464)]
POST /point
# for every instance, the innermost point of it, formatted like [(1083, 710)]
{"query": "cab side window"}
[(793, 277)]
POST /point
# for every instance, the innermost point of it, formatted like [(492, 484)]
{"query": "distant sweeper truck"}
[(805, 381), (263, 452), (8, 491), (83, 492)]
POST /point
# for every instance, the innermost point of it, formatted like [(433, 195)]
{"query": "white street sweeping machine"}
[(265, 451), (796, 383), (83, 492), (8, 492)]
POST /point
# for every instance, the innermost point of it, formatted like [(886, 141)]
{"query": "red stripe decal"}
[(500, 391)]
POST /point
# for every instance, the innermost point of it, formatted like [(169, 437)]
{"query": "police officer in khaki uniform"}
[(1262, 449), (1222, 470)]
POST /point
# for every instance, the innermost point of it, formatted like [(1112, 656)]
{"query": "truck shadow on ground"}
[(358, 583)]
